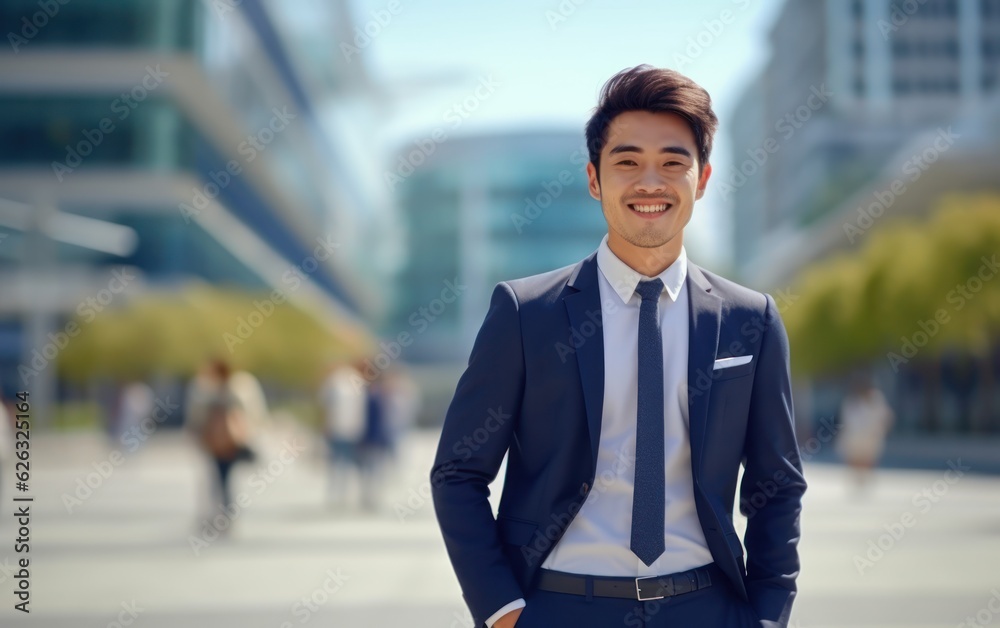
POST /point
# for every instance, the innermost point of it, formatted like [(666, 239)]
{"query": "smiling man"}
[(633, 385)]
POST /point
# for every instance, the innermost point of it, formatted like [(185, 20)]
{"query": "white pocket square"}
[(724, 363)]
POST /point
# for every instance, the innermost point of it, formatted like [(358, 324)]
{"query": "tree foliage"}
[(174, 333), (914, 289)]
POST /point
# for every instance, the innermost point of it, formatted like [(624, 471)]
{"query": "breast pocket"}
[(733, 371)]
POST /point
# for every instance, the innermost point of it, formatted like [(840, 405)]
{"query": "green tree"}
[(855, 308), (174, 333)]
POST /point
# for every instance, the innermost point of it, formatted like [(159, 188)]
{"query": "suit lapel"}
[(703, 341), (584, 309), (583, 306)]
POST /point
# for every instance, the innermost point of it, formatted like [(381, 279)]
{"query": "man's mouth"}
[(650, 208)]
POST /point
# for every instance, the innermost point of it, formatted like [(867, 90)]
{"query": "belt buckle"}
[(638, 589)]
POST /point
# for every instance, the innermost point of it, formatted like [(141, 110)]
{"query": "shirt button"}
[(584, 489)]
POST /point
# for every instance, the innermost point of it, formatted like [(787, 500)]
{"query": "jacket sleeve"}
[(476, 435), (773, 483)]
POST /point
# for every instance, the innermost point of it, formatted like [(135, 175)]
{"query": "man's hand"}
[(509, 620)]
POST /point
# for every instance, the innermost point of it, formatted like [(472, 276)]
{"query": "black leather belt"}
[(642, 589)]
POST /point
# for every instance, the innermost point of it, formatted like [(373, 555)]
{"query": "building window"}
[(167, 25)]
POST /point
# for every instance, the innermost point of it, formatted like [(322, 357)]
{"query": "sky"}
[(547, 60)]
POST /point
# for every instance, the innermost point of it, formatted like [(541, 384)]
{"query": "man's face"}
[(649, 162)]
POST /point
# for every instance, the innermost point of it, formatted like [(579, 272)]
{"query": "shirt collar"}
[(624, 279)]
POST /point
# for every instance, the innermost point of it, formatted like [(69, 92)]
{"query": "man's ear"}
[(593, 185), (703, 181)]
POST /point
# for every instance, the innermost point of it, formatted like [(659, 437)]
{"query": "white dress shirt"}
[(597, 541)]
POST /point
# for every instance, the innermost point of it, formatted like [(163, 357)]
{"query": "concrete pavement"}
[(920, 550)]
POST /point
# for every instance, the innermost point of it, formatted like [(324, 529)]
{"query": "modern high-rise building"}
[(179, 140), (852, 90), (479, 210), (867, 109)]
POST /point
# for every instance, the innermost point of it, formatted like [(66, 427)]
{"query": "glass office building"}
[(850, 88), (479, 210), (861, 98), (181, 140)]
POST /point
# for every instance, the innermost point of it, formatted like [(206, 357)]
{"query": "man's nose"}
[(650, 183)]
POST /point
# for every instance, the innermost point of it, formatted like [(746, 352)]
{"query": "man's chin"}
[(649, 241)]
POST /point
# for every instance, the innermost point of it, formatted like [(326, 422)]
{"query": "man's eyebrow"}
[(629, 148)]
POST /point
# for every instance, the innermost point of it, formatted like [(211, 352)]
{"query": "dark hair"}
[(220, 368), (658, 90)]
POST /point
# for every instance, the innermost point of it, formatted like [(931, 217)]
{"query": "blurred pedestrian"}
[(402, 401), (135, 402), (376, 446), (223, 410), (393, 401), (865, 420), (342, 399)]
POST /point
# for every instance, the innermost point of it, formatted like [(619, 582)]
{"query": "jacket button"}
[(584, 489)]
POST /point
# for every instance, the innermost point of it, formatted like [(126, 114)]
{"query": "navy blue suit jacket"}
[(534, 389)]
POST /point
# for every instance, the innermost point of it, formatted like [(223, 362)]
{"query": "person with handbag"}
[(222, 411)]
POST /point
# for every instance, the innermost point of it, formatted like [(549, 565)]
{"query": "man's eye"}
[(674, 163), (626, 162)]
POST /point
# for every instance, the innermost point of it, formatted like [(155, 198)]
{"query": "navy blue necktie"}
[(647, 494)]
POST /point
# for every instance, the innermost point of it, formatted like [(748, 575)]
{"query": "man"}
[(626, 391), (343, 398)]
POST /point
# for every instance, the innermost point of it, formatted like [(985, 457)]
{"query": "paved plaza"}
[(921, 549)]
